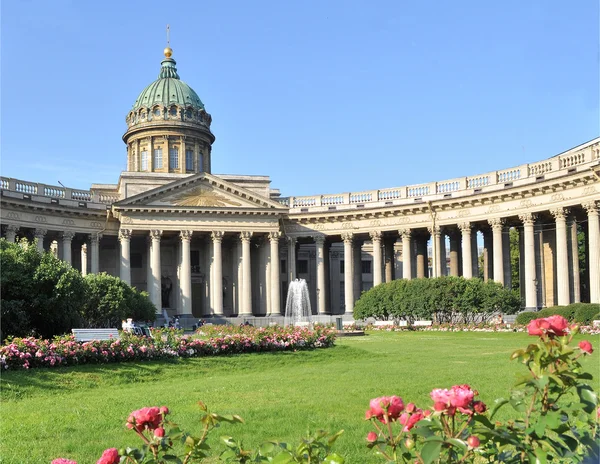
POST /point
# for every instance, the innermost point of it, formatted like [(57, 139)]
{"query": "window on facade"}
[(158, 164), (283, 266), (173, 158), (341, 266), (144, 160), (302, 266), (173, 111), (366, 267), (156, 111), (201, 162), (189, 160), (195, 260)]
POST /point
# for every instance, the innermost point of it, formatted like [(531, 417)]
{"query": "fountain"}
[(297, 306)]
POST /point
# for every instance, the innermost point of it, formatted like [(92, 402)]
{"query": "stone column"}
[(216, 282), (321, 293), (406, 253), (95, 252), (467, 260), (507, 259), (528, 220), (84, 260), (185, 275), (275, 273), (11, 232), (474, 253), (39, 236), (498, 261), (377, 262), (67, 241), (436, 251), (348, 274), (246, 303), (388, 246), (357, 267), (574, 261), (291, 255), (488, 256), (454, 253), (182, 157), (594, 250), (124, 262), (562, 256), (155, 287), (422, 258)]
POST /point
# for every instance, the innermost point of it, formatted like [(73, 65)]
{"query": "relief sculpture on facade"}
[(202, 196)]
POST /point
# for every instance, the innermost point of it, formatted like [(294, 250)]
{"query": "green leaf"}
[(333, 459), (458, 443), (266, 448), (587, 397), (497, 405), (431, 451), (540, 456), (540, 426), (171, 458), (282, 458), (228, 454), (229, 442)]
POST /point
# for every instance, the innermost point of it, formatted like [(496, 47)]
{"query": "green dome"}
[(168, 90)]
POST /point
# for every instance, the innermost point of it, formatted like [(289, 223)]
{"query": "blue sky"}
[(324, 97)]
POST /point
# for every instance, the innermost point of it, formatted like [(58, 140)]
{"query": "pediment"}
[(201, 191)]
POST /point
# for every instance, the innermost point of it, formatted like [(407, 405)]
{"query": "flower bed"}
[(448, 327), (65, 351)]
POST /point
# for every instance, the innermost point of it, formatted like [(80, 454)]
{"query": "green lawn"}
[(78, 412)]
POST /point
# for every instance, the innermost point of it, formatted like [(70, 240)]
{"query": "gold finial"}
[(168, 51)]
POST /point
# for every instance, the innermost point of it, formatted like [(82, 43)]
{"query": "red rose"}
[(586, 347), (533, 328), (558, 325), (159, 432), (473, 441), (371, 437), (479, 407), (110, 456), (63, 461), (393, 405)]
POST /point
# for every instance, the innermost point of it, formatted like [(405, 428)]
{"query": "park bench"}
[(422, 323), (301, 324), (383, 323), (86, 335)]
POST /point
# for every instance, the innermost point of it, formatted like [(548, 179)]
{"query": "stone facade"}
[(227, 246)]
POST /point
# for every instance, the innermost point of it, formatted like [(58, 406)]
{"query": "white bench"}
[(382, 323), (87, 335), (301, 324), (348, 323), (422, 323), (402, 324)]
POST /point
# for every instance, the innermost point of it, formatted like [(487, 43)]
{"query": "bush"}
[(526, 317), (110, 301), (443, 299), (60, 292), (585, 312)]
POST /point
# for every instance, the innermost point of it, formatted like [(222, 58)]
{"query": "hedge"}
[(581, 313)]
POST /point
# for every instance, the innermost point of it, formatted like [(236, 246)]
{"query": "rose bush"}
[(65, 351)]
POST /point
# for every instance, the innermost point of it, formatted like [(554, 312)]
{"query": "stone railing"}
[(35, 189), (578, 158)]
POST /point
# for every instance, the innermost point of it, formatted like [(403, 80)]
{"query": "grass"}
[(80, 411)]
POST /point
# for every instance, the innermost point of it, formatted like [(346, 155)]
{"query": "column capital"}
[(156, 234), (274, 236), (95, 237), (124, 234), (496, 223), (375, 235), (40, 233), (591, 207), (347, 237), (528, 219), (186, 235), (12, 228), (292, 241), (245, 236), (405, 233), (434, 230), (216, 236), (560, 213), (319, 239), (465, 227)]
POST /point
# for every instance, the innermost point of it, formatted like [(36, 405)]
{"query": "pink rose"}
[(479, 407), (393, 405), (63, 461), (558, 325), (371, 437), (159, 432), (145, 418), (110, 456), (412, 420), (586, 347), (461, 396), (473, 441), (533, 328)]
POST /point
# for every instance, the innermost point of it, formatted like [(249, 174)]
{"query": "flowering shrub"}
[(164, 442), (65, 351), (557, 422)]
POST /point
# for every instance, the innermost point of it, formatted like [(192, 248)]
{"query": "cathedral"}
[(226, 247)]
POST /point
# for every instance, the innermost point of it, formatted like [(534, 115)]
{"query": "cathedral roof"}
[(168, 89)]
